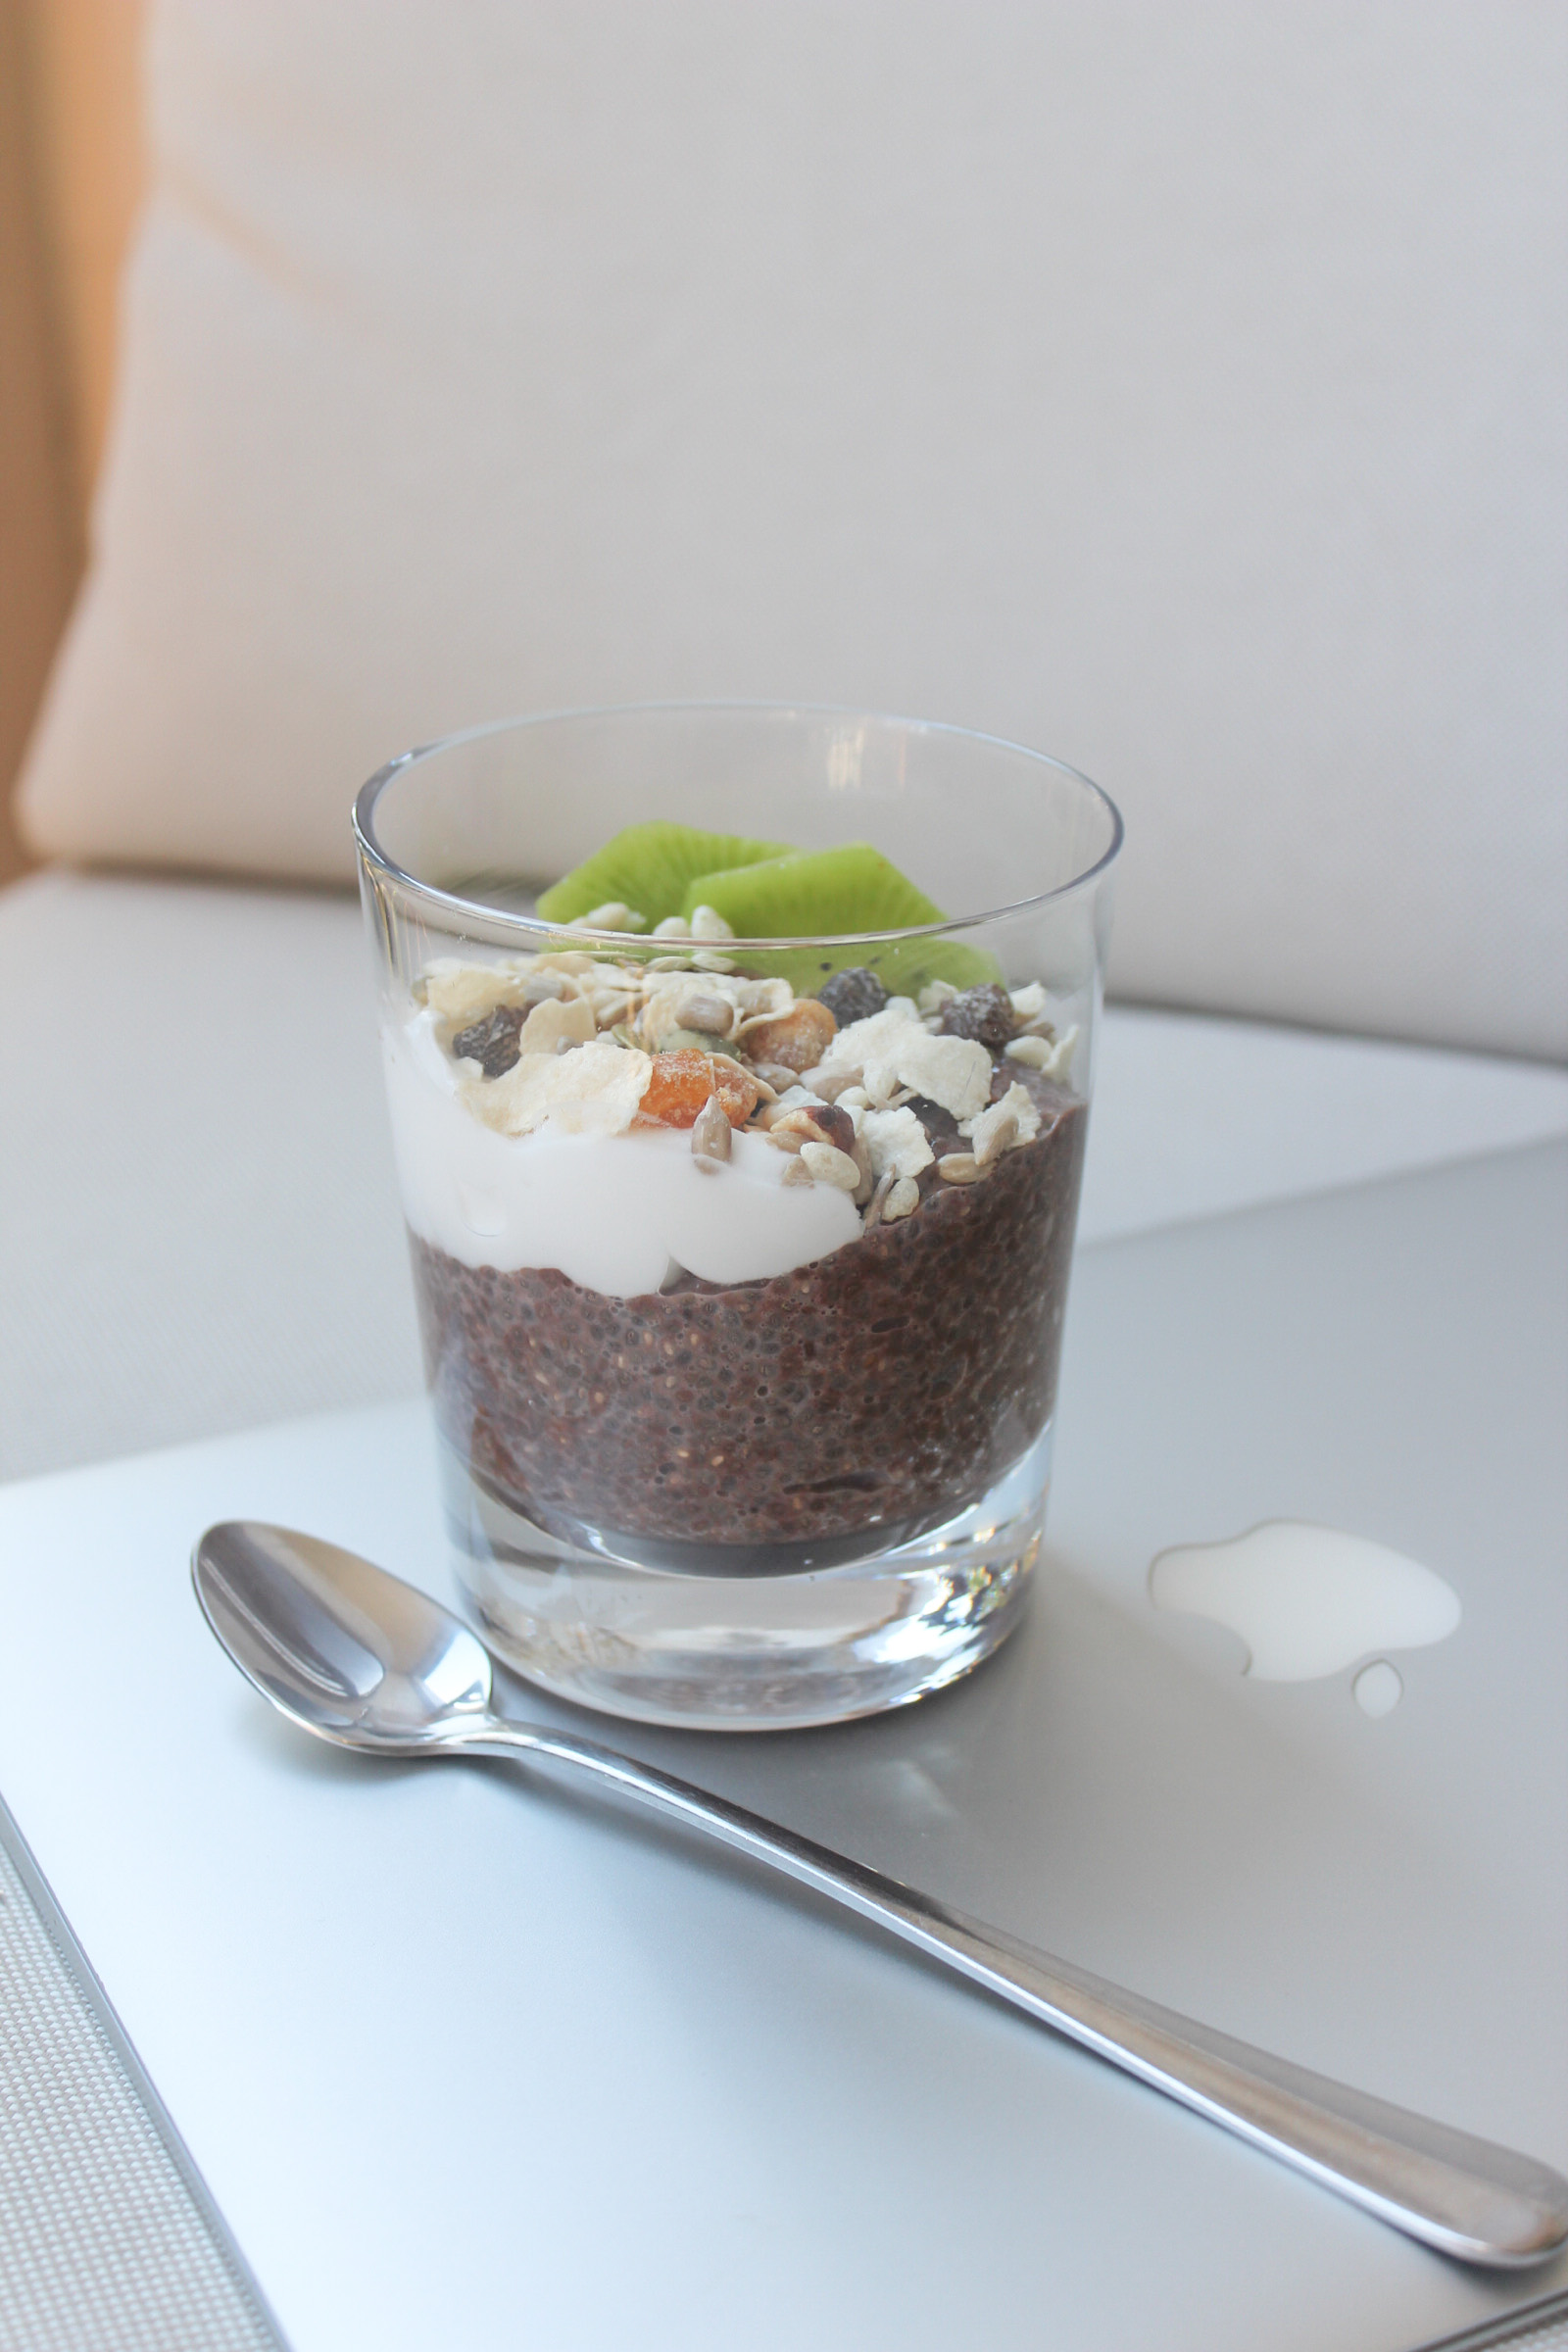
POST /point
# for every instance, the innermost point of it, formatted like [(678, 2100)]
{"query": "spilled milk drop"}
[(1378, 1688), (1308, 1601)]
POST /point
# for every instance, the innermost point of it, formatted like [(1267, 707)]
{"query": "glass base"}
[(760, 1652)]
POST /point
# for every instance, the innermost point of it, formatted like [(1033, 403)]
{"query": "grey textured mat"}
[(107, 2240), (1548, 2335)]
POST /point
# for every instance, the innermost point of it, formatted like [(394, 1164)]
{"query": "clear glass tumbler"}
[(744, 1424)]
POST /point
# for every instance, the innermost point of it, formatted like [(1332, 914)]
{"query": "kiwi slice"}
[(649, 868), (852, 888)]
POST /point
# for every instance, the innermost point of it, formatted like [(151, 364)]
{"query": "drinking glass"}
[(756, 1435)]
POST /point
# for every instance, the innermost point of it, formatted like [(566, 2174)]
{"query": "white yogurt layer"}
[(611, 1211)]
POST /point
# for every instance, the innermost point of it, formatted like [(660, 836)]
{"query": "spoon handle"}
[(1465, 2197)]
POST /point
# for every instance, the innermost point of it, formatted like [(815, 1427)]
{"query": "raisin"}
[(852, 994), (493, 1042), (984, 1013), (941, 1127), (683, 1083)]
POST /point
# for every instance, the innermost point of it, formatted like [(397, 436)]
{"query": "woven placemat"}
[(1538, 2333), (109, 2240)]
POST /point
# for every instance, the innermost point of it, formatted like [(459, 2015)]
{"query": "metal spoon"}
[(362, 1659)]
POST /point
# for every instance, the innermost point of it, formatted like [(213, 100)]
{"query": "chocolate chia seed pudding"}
[(882, 1388), (703, 1266)]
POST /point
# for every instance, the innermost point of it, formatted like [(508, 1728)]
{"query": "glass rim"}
[(454, 902)]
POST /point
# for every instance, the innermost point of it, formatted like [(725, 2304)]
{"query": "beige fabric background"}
[(69, 178), (1178, 389)]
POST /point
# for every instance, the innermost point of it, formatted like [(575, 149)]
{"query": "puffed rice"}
[(708, 923), (829, 1165)]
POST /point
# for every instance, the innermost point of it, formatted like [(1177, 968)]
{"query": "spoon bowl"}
[(344, 1650)]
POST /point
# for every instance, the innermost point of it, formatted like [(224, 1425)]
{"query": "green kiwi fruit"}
[(648, 867), (850, 889)]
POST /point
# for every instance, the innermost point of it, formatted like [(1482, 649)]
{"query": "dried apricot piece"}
[(684, 1081)]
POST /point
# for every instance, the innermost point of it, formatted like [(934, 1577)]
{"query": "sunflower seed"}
[(703, 1010), (994, 1131), (878, 1200), (859, 1153), (711, 1136)]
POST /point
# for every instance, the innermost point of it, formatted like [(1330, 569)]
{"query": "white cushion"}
[(199, 1218), (1175, 389)]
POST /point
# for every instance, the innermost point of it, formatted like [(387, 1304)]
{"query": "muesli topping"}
[(879, 1096), (861, 1089)]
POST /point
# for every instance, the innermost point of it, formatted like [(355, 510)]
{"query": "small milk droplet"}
[(483, 1213), (1377, 1687)]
